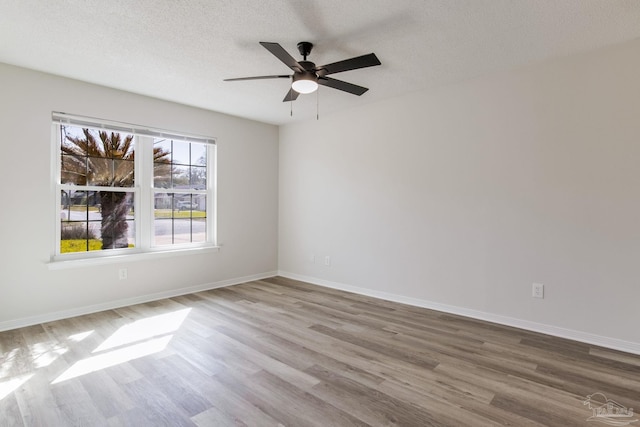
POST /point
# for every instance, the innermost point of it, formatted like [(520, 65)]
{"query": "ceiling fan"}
[(307, 76)]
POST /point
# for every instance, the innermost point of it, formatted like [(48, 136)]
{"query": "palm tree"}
[(106, 162)]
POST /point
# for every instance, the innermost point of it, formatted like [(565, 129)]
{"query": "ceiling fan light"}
[(304, 83)]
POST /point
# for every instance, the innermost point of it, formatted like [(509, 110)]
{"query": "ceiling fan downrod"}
[(305, 49)]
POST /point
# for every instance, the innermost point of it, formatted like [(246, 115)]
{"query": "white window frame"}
[(143, 191)]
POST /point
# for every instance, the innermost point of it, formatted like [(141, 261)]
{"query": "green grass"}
[(80, 245), (167, 213)]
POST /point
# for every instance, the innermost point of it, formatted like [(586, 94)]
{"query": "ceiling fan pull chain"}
[(291, 104), (317, 105)]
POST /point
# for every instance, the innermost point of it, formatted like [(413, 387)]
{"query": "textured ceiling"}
[(181, 50)]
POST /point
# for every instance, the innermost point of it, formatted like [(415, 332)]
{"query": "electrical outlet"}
[(327, 260), (122, 274), (538, 290)]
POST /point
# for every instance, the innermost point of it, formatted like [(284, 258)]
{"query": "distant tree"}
[(106, 161), (199, 175)]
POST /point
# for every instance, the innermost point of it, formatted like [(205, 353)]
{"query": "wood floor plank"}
[(215, 417), (544, 415), (156, 406), (106, 394), (38, 405), (136, 417), (370, 405), (302, 404), (171, 378), (10, 415), (285, 404), (623, 360), (296, 347), (279, 364), (280, 352), (424, 362), (467, 410), (76, 405), (230, 406)]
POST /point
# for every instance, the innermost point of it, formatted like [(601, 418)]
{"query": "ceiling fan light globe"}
[(304, 86), (304, 83)]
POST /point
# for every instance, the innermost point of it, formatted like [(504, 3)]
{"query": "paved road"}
[(180, 228)]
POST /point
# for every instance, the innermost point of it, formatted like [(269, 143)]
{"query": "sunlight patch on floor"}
[(144, 329), (115, 357), (44, 354), (81, 336), (7, 361), (138, 339), (11, 385)]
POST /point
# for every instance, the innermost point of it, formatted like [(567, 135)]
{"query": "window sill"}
[(140, 256)]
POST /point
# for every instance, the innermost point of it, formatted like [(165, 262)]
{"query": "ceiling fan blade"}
[(292, 95), (342, 85), (282, 76), (363, 61), (279, 52)]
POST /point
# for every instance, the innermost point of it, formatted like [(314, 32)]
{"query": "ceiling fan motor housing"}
[(305, 49), (307, 65)]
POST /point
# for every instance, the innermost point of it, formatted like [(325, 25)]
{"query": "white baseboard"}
[(65, 314), (585, 337)]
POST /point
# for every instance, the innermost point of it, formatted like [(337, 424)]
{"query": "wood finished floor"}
[(280, 352)]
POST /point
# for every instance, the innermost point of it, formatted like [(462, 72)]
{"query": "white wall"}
[(247, 200), (463, 197)]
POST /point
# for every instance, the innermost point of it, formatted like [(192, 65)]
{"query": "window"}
[(179, 191), (127, 189)]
